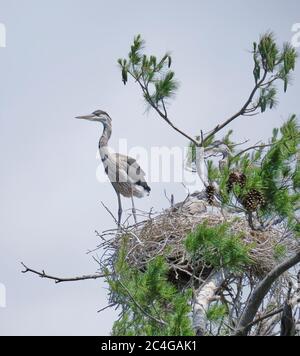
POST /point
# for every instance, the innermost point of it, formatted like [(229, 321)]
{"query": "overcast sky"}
[(60, 61)]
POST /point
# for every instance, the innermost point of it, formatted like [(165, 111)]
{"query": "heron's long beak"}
[(86, 117)]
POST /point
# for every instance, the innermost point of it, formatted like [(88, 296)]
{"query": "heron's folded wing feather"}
[(130, 166)]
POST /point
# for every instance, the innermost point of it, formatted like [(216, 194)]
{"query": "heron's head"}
[(97, 116)]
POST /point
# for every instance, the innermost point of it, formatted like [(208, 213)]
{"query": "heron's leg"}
[(133, 210), (120, 211)]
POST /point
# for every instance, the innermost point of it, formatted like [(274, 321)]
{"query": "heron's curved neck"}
[(105, 137)]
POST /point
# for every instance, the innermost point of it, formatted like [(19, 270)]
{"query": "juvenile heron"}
[(124, 173)]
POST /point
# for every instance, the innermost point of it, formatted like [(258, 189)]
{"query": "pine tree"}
[(262, 182), (150, 305), (221, 270)]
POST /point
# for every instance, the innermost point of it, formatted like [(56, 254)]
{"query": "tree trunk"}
[(205, 296), (261, 291)]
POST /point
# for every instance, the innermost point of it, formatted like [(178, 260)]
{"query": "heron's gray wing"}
[(131, 167)]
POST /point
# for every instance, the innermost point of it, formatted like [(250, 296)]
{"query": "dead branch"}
[(265, 317), (62, 280), (256, 147)]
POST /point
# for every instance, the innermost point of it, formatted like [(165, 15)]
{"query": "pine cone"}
[(236, 178), (253, 200), (243, 180), (210, 194)]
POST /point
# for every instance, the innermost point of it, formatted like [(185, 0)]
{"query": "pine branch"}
[(159, 321), (241, 112), (163, 114)]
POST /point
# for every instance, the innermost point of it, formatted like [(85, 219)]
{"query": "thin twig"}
[(107, 307), (267, 316), (110, 213), (59, 279), (252, 148)]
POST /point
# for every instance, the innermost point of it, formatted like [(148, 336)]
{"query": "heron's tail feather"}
[(144, 185)]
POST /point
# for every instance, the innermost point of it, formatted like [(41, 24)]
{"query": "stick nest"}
[(164, 234)]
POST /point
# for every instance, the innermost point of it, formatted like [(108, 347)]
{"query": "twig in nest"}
[(121, 228)]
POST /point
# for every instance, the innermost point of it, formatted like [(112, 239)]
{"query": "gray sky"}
[(60, 62)]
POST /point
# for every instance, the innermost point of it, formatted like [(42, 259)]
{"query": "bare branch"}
[(59, 279), (253, 148), (266, 316), (107, 307)]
